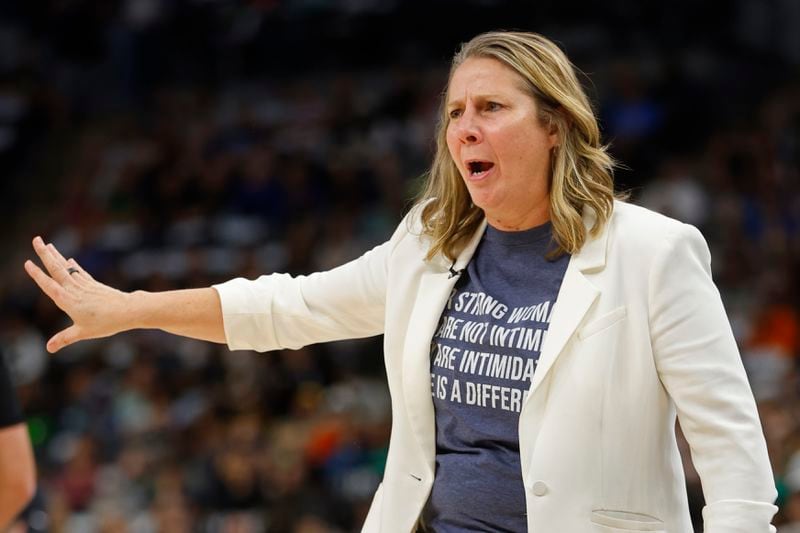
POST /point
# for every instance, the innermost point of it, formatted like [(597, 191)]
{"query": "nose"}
[(468, 130)]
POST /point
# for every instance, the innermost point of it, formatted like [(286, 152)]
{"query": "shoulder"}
[(408, 237), (411, 229), (639, 236), (645, 229), (412, 221), (637, 222)]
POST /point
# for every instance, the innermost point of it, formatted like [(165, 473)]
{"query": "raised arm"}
[(98, 310)]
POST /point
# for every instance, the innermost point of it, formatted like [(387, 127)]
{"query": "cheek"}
[(528, 148), (512, 151), (453, 147)]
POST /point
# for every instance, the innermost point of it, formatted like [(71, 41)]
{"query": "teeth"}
[(479, 167)]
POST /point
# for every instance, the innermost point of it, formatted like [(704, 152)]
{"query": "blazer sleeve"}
[(700, 366), (281, 311)]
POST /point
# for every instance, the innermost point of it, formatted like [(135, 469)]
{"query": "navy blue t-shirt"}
[(483, 356)]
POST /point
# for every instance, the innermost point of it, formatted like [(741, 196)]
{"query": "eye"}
[(493, 106), (455, 113)]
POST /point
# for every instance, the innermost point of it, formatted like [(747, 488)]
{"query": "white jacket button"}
[(539, 488)]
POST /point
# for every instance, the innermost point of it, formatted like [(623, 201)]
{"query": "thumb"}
[(64, 338)]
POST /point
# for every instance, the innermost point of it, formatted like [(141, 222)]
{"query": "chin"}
[(482, 199)]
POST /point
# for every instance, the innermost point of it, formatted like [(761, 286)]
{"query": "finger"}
[(53, 268), (76, 273), (67, 263), (64, 264), (50, 287), (64, 338), (59, 259)]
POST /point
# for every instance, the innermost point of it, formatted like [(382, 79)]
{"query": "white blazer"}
[(638, 334)]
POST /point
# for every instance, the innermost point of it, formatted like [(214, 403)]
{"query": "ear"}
[(553, 133), (553, 137), (557, 125)]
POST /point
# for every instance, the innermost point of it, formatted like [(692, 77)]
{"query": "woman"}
[(540, 336)]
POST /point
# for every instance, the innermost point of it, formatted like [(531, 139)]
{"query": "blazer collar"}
[(592, 255)]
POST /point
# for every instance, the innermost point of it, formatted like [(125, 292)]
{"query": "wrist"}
[(135, 305)]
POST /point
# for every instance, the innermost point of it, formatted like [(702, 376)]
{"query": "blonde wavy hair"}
[(581, 169)]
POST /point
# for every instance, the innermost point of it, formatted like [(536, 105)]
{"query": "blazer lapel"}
[(575, 297), (434, 289)]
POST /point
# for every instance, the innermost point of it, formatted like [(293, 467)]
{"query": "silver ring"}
[(72, 270)]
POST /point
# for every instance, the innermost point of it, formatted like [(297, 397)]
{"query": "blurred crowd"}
[(172, 144)]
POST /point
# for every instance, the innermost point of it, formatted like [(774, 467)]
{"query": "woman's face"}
[(498, 143)]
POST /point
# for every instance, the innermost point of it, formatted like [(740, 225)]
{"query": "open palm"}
[(96, 310)]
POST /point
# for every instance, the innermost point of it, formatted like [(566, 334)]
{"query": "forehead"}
[(483, 75)]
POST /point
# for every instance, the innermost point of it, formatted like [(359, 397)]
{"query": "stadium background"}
[(176, 143)]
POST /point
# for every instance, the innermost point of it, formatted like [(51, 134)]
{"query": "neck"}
[(506, 221)]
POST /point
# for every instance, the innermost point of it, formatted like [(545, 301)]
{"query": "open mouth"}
[(479, 168)]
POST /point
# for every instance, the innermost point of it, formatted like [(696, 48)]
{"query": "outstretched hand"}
[(96, 310)]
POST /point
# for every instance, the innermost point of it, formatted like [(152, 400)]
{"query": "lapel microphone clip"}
[(454, 272)]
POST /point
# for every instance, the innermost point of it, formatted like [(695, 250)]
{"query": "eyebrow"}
[(480, 98)]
